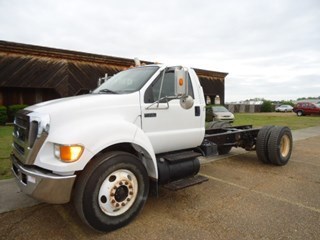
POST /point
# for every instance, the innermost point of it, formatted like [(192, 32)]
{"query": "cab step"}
[(186, 182), (181, 156)]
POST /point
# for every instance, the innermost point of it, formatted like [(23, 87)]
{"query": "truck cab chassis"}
[(142, 129)]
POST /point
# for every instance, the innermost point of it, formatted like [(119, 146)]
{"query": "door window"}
[(163, 86)]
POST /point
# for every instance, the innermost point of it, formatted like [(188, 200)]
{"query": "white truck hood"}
[(85, 103), (91, 108)]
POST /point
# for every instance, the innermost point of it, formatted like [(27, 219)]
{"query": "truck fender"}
[(133, 135), (142, 144), (96, 138)]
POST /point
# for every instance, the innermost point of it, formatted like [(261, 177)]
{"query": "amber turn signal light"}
[(68, 153)]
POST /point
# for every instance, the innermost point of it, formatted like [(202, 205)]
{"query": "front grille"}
[(21, 125), (20, 132), (24, 135), (29, 135), (22, 120), (19, 148), (33, 132)]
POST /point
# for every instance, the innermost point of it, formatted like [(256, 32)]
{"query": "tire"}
[(111, 191), (280, 145), (299, 113), (262, 144)]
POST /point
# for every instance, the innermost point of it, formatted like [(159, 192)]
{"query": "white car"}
[(219, 113), (284, 108)]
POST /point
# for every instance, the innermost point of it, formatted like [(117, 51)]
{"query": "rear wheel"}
[(262, 144), (111, 191), (280, 145)]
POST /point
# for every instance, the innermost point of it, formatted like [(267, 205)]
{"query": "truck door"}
[(169, 126)]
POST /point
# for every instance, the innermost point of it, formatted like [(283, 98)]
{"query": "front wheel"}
[(111, 191)]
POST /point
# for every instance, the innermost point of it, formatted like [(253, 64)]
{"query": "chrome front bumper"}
[(42, 185)]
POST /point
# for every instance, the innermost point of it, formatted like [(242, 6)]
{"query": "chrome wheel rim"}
[(118, 192)]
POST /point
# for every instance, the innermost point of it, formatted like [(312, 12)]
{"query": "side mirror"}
[(186, 102), (181, 83), (181, 88)]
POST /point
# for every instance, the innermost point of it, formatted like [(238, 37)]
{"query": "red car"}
[(306, 108)]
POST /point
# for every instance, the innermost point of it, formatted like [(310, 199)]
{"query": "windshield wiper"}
[(107, 91)]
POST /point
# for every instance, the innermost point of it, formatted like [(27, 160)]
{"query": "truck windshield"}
[(127, 81)]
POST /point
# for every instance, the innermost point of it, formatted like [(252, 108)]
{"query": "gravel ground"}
[(243, 199)]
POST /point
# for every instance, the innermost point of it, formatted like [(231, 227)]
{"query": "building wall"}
[(31, 74)]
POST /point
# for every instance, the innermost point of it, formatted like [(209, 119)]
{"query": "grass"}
[(281, 119), (256, 119), (5, 150)]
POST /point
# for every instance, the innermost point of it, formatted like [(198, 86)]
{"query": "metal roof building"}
[(30, 74)]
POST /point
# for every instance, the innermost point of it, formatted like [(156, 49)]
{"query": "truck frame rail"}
[(236, 136)]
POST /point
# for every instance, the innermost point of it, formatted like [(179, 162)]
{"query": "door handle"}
[(197, 111), (150, 115)]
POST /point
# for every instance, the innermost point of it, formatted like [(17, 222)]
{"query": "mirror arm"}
[(162, 77), (158, 102)]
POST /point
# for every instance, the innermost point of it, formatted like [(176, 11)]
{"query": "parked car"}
[(284, 108), (306, 108), (219, 113)]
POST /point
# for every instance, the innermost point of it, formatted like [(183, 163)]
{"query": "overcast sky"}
[(270, 48)]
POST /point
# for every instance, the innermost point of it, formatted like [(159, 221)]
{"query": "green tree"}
[(287, 103), (3, 115), (266, 106)]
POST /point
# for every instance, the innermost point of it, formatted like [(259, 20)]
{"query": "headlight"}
[(68, 153)]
